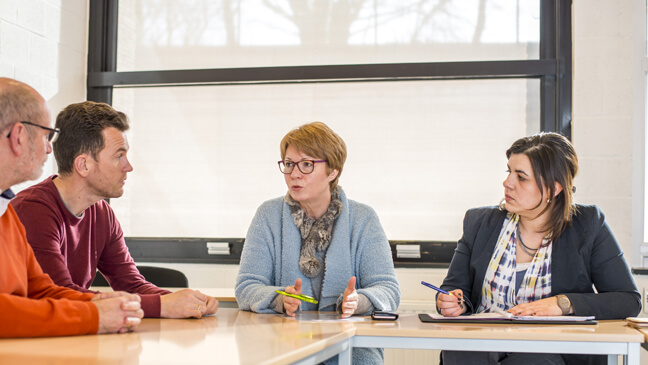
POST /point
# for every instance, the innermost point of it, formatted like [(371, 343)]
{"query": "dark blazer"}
[(584, 257)]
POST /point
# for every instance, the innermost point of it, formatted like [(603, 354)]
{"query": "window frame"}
[(553, 68)]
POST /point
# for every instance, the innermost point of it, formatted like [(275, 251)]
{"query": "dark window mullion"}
[(102, 45), (333, 73), (555, 44)]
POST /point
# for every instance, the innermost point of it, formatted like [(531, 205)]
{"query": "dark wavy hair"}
[(553, 160)]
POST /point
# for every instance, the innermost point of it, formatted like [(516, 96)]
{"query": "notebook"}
[(637, 322), (506, 318)]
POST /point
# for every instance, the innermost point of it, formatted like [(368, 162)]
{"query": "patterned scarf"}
[(499, 289), (315, 234)]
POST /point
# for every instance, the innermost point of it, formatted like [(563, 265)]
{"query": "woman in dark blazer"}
[(538, 253)]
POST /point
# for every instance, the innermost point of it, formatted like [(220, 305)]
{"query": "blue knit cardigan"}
[(359, 248)]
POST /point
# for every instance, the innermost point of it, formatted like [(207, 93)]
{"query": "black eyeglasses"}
[(51, 136), (305, 166)]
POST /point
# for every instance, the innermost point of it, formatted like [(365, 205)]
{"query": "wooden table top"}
[(229, 337), (222, 294), (409, 325), (241, 337)]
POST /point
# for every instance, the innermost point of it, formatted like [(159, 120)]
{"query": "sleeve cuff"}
[(277, 304), (151, 305)]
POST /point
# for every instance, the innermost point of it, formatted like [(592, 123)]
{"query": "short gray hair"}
[(18, 102)]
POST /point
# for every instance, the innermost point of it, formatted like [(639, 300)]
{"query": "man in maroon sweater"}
[(31, 305), (74, 232)]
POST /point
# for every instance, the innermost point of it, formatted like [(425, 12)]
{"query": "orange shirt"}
[(31, 305)]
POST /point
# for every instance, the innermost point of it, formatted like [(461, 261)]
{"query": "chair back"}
[(158, 276), (100, 280), (164, 277)]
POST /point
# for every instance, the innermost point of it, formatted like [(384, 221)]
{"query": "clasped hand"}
[(187, 303), (119, 312)]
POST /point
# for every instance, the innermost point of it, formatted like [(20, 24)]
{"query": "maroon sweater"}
[(71, 249)]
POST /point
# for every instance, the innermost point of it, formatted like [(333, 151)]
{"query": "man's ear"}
[(18, 139), (83, 164)]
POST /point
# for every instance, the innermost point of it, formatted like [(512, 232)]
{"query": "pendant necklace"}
[(528, 250)]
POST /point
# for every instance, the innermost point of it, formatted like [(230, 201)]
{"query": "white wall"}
[(44, 44), (603, 106), (608, 115)]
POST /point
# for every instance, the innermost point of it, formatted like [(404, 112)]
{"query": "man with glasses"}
[(30, 303), (52, 133), (73, 230)]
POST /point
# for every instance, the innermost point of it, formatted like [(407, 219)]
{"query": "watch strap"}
[(564, 303)]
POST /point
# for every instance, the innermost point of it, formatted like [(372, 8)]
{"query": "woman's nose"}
[(295, 173)]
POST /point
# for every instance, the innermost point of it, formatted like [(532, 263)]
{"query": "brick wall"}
[(604, 49), (43, 43)]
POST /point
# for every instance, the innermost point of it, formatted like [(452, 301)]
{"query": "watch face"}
[(564, 304)]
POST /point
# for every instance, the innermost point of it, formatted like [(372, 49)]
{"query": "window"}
[(171, 35), (427, 95), (420, 153)]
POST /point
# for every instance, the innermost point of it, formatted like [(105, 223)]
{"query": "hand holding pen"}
[(291, 305), (450, 304)]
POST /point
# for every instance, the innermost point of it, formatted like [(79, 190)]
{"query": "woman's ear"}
[(333, 175), (557, 189)]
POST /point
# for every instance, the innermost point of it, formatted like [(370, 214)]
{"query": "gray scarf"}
[(315, 234)]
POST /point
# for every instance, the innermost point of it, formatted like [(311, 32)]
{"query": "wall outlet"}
[(644, 302)]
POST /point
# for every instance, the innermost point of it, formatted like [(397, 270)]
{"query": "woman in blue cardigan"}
[(538, 253), (315, 241)]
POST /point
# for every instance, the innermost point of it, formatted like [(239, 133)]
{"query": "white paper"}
[(509, 316)]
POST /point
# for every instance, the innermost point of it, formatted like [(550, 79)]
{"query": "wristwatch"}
[(564, 304)]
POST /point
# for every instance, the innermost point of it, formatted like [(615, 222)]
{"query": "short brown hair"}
[(553, 159), (319, 141), (81, 127)]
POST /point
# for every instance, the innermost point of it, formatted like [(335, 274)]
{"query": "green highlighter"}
[(305, 298)]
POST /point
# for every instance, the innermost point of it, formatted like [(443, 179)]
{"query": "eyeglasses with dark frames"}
[(51, 136), (304, 166)]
